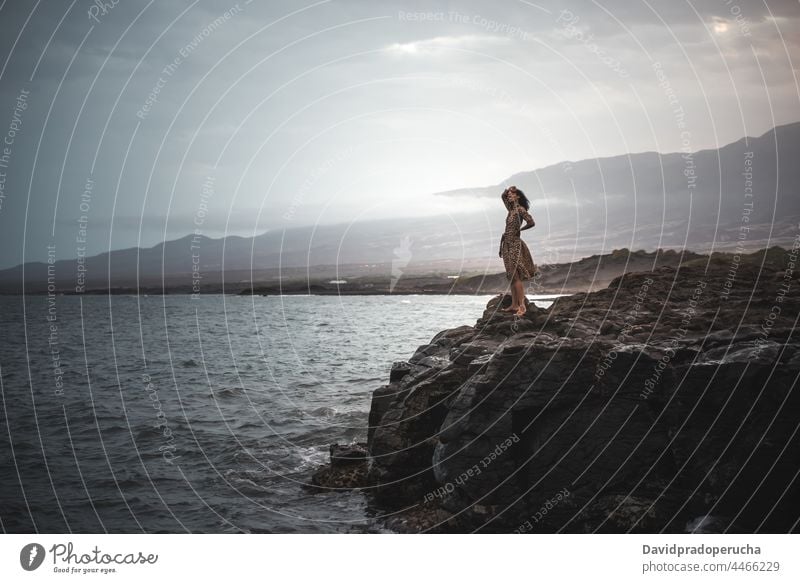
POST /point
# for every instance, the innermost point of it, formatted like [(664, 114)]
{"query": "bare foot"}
[(510, 309), (521, 311)]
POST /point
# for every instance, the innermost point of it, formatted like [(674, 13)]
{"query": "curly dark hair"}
[(523, 200)]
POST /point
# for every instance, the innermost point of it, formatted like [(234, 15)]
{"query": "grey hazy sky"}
[(323, 112)]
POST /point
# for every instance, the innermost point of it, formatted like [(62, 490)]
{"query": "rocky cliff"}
[(665, 402)]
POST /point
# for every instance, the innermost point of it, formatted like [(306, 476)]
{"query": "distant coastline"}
[(585, 275)]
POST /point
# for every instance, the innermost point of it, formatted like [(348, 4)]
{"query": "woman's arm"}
[(528, 219)]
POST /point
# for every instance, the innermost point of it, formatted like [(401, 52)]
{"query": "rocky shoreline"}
[(662, 403), (586, 274)]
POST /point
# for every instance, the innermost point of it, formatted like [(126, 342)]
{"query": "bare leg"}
[(514, 306), (520, 294), (514, 296)]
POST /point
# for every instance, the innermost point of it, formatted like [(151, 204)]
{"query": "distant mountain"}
[(332, 251), (674, 196), (643, 201)]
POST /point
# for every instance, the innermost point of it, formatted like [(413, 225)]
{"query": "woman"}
[(515, 253)]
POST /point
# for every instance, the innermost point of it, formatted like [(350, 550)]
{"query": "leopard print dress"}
[(515, 253)]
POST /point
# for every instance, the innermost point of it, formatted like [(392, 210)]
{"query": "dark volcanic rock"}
[(347, 469), (347, 455), (665, 397)]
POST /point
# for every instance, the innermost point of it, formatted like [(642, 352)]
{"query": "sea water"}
[(174, 414)]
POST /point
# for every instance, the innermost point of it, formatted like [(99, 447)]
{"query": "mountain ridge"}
[(510, 180), (581, 208)]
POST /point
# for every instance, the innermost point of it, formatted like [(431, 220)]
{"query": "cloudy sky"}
[(155, 119)]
